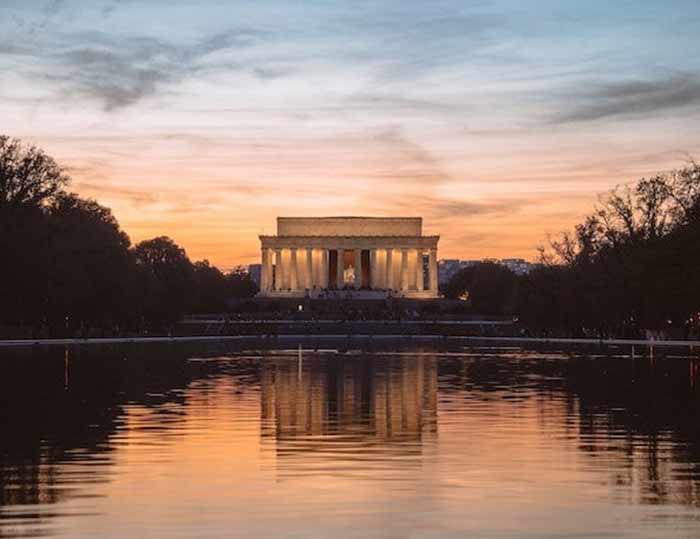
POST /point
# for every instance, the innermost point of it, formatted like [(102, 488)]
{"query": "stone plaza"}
[(371, 257)]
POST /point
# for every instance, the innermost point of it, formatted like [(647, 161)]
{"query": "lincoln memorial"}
[(362, 256)]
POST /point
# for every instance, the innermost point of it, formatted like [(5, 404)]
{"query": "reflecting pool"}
[(421, 442)]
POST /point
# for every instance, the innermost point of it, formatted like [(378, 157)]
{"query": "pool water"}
[(421, 442)]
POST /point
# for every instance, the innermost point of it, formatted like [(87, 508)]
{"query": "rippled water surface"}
[(176, 441)]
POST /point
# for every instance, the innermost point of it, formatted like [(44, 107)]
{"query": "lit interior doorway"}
[(348, 268)]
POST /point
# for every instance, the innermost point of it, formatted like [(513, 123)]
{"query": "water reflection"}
[(60, 410), (634, 421), (163, 441), (341, 410)]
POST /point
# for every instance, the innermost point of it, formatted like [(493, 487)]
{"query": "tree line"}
[(632, 265), (67, 266)]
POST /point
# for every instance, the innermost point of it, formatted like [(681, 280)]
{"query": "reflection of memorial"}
[(30, 483), (349, 399)]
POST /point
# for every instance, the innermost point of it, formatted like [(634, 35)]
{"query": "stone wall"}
[(349, 226)]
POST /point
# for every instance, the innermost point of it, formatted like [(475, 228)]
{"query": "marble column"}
[(264, 270), (358, 269), (278, 269), (373, 274), (293, 270), (433, 271), (324, 269), (339, 270), (309, 277), (404, 269), (419, 270), (389, 281)]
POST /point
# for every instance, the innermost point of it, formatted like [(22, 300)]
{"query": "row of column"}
[(286, 276), (315, 272)]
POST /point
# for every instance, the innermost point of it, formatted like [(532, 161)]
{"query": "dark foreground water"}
[(170, 442)]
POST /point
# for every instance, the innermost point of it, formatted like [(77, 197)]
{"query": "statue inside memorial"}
[(349, 275)]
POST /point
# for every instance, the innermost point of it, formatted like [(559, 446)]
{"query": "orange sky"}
[(497, 126), (215, 195)]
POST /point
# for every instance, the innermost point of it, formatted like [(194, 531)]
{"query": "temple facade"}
[(360, 256)]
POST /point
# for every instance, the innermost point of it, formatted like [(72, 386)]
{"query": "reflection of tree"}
[(41, 421), (57, 409), (638, 420), (645, 414), (358, 399)]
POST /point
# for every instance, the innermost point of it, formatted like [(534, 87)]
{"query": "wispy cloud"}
[(448, 208), (53, 7), (100, 190), (120, 73), (109, 8), (441, 209), (407, 161), (633, 98)]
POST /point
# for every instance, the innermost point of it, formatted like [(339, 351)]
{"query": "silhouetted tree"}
[(24, 251), (67, 267), (28, 177), (240, 285), (29, 183), (90, 265), (165, 280), (489, 288), (629, 266), (211, 288)]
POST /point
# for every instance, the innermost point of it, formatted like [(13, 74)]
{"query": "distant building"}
[(448, 268), (519, 266), (255, 270)]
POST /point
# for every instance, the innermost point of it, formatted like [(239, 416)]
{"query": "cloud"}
[(633, 98), (429, 37), (118, 71), (404, 160), (45, 15), (109, 8), (398, 103), (53, 7), (13, 49), (469, 238), (447, 208), (116, 79), (101, 191), (440, 209), (121, 75)]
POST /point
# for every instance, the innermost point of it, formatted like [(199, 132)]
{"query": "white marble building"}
[(363, 256)]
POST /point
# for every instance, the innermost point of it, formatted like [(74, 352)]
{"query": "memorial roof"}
[(349, 226)]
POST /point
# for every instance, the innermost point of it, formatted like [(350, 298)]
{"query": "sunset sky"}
[(204, 120)]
